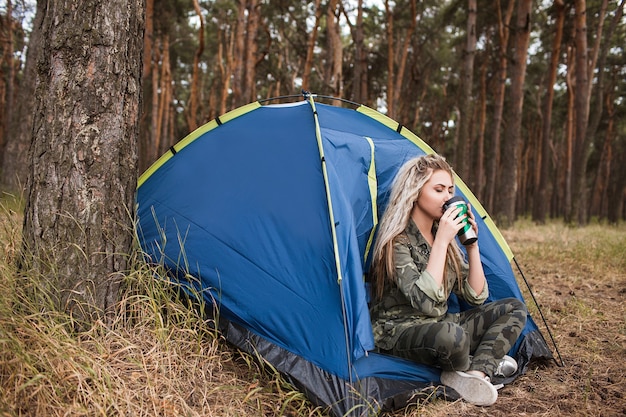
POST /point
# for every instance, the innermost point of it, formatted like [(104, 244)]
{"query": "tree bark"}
[(164, 100), (596, 111), (154, 134), (403, 56), (147, 151), (359, 83), (478, 184), (335, 50), (541, 202), (512, 136), (593, 59), (604, 207), (390, 60), (194, 91), (581, 104), (599, 196), (249, 86), (83, 160), (493, 164), (570, 81), (238, 55), (7, 81), (308, 63), (462, 151), (15, 163), (616, 194), (225, 63), (148, 39)]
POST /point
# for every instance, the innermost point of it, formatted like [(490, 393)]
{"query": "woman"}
[(417, 265)]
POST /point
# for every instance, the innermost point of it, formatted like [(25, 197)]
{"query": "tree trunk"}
[(251, 48), (596, 111), (581, 103), (390, 60), (512, 135), (403, 56), (463, 150), (308, 63), (148, 40), (335, 51), (154, 134), (194, 91), (541, 202), (358, 93), (479, 179), (225, 62), (599, 197), (596, 46), (570, 81), (616, 194), (604, 207), (15, 163), (7, 81), (164, 108), (83, 160), (147, 152), (238, 55), (493, 164)]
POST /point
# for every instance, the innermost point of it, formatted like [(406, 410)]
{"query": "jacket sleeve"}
[(417, 285)]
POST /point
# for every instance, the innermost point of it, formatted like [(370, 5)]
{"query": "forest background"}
[(526, 99)]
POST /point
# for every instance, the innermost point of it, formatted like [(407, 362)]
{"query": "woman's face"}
[(435, 192)]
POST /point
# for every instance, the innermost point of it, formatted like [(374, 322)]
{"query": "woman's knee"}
[(517, 308), (516, 315), (513, 305)]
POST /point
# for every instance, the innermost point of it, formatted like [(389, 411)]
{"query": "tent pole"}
[(333, 231)]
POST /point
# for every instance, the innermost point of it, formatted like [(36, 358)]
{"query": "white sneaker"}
[(506, 368), (472, 388)]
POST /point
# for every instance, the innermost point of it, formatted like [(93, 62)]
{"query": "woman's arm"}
[(449, 225), (476, 278)]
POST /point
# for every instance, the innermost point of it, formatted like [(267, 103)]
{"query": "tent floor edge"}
[(370, 396)]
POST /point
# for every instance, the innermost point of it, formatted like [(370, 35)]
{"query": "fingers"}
[(454, 217), (471, 219), (451, 217)]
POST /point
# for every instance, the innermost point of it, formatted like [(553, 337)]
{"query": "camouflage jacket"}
[(416, 298)]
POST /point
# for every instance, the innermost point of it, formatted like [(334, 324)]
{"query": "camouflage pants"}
[(475, 339)]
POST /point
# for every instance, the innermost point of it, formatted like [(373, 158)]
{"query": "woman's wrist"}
[(472, 248)]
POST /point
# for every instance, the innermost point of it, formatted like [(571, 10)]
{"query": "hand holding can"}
[(467, 235)]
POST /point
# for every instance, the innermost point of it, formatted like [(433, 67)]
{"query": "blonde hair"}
[(405, 190)]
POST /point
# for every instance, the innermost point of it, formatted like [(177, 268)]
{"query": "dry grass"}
[(160, 358)]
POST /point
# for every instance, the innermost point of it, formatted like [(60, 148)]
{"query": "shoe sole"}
[(473, 389)]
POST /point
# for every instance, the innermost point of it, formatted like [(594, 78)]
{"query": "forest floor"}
[(159, 359)]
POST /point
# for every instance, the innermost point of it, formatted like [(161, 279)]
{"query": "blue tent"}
[(270, 212)]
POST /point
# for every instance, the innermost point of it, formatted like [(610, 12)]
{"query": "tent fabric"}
[(269, 212)]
